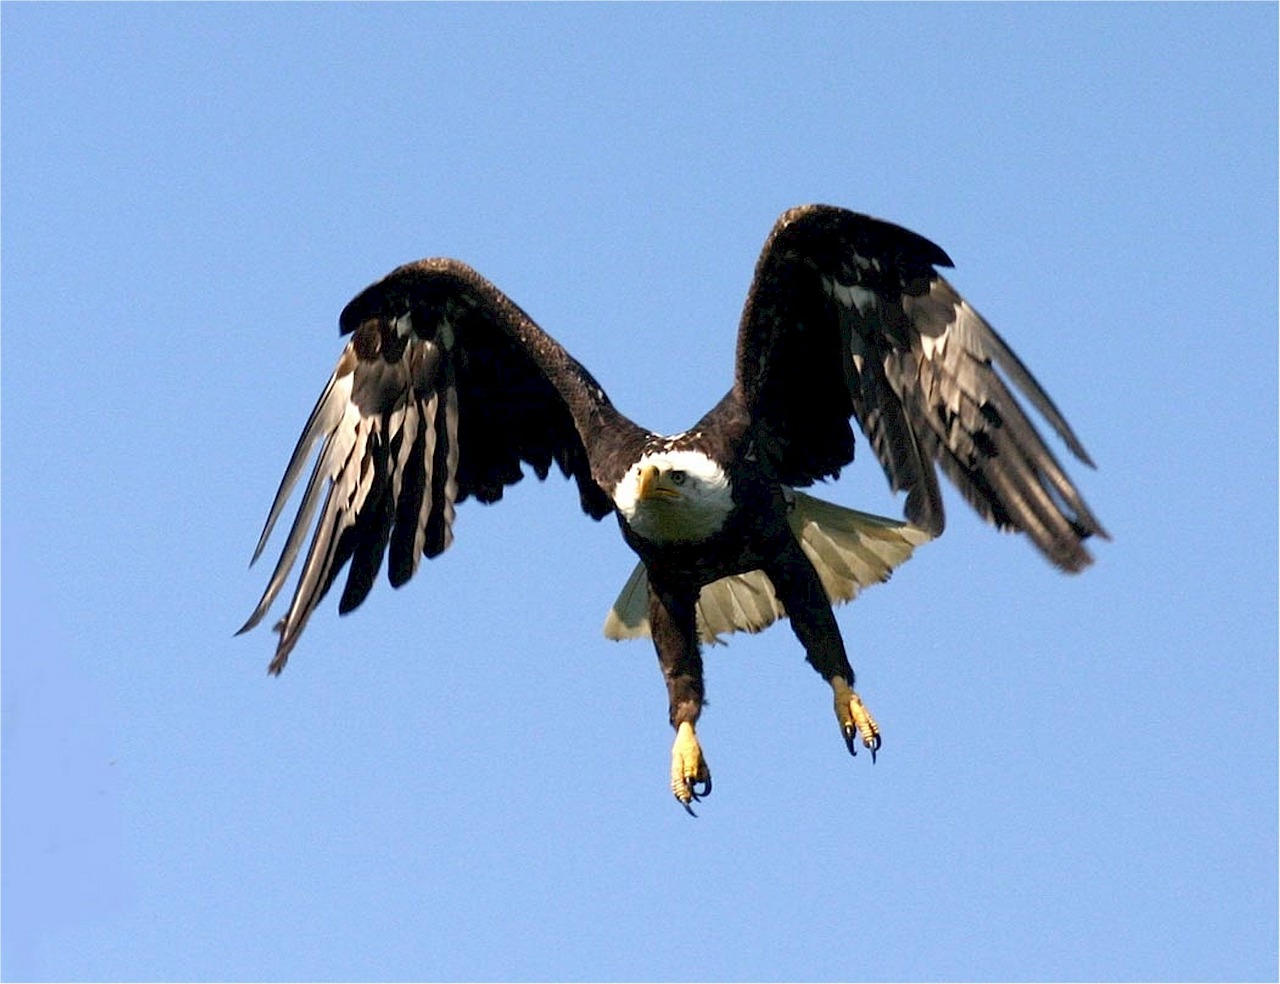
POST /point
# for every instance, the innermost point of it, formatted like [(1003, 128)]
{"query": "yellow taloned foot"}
[(690, 777), (855, 720)]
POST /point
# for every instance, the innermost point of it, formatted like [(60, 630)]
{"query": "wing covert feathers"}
[(444, 390), (849, 549)]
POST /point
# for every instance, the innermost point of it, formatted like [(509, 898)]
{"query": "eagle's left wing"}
[(848, 316), (444, 390)]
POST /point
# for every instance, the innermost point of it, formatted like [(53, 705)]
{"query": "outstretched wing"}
[(444, 390), (848, 316)]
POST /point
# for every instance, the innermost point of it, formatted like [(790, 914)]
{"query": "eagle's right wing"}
[(444, 390)]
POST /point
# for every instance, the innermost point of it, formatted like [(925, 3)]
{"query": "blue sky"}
[(463, 779)]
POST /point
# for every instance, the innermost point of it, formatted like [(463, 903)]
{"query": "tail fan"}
[(849, 549)]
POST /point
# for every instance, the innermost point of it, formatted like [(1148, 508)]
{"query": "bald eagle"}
[(446, 389)]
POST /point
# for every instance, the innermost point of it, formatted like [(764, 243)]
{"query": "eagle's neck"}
[(688, 498)]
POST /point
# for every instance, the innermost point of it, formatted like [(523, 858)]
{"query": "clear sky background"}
[(464, 779)]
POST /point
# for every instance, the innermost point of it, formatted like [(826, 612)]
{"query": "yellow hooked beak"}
[(653, 487)]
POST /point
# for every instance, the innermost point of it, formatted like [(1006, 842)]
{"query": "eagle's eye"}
[(677, 476)]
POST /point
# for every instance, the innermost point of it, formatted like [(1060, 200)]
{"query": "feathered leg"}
[(673, 623), (800, 590)]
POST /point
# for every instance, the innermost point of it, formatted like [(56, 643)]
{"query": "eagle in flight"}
[(446, 389)]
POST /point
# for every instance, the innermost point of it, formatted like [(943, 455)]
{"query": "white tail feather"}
[(849, 549)]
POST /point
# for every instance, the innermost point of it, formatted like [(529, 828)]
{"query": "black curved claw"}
[(691, 786), (851, 742)]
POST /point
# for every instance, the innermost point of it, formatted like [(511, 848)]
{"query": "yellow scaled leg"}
[(690, 777), (855, 720)]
